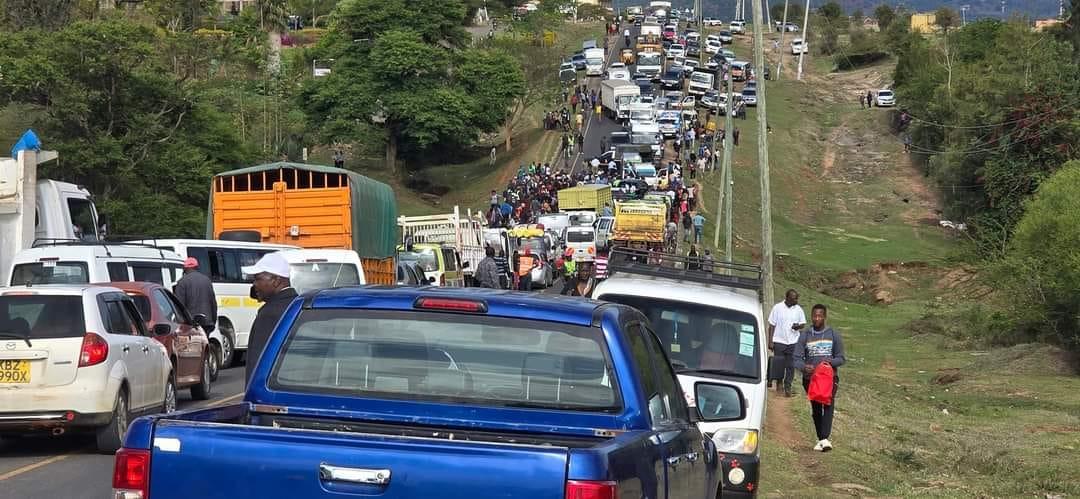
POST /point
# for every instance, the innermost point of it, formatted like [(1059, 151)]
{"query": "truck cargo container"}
[(584, 197), (310, 206)]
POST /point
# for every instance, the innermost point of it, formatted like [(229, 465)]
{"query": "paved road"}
[(69, 468)]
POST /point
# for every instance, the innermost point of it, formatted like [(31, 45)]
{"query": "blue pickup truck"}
[(441, 392)]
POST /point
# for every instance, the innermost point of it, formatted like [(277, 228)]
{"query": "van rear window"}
[(41, 317), (50, 273)]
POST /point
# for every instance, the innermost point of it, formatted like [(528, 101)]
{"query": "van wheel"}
[(110, 436), (201, 391), (228, 350)]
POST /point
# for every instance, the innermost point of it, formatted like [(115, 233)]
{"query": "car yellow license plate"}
[(14, 371)]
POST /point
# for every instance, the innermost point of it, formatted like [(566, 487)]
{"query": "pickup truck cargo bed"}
[(317, 463)]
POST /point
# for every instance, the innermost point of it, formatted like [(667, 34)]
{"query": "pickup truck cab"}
[(709, 322), (449, 393)]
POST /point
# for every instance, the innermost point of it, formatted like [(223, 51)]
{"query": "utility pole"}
[(724, 199), (729, 255), (963, 14), (783, 31), (805, 37), (763, 159), (768, 15)]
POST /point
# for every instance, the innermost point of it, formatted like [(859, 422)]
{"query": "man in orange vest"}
[(526, 262)]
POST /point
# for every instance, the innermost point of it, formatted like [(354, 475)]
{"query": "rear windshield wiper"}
[(719, 372), (9, 334)]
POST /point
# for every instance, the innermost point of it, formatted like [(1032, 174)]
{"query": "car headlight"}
[(738, 441)]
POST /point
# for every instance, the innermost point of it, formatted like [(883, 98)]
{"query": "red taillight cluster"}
[(581, 489), (94, 350), (131, 474)]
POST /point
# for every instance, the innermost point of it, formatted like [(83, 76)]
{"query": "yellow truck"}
[(310, 206), (584, 197), (639, 224)]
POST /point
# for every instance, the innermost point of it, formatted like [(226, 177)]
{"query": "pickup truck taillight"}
[(131, 474), (582, 489), (94, 350)]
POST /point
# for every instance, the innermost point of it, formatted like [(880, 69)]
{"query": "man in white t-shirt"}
[(785, 321)]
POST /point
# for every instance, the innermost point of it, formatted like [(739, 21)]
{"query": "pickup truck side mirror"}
[(162, 329), (719, 402)]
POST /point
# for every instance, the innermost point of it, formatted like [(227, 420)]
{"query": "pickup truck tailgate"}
[(253, 461)]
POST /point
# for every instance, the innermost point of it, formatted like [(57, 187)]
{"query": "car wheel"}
[(201, 391), (215, 361), (109, 436), (227, 351), (169, 404)]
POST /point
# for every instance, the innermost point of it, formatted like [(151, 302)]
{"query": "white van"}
[(75, 262), (311, 269), (582, 240), (710, 324), (221, 262)]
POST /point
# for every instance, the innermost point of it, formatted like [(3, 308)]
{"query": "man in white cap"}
[(196, 293), (273, 288)]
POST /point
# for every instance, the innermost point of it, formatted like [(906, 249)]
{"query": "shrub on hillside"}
[(846, 62), (1041, 270)]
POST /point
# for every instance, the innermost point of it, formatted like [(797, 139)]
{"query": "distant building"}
[(924, 23), (871, 24), (1041, 24)]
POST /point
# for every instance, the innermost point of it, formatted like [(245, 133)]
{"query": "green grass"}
[(1009, 427)]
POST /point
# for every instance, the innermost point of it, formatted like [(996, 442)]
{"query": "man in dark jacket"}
[(273, 288), (196, 294), (487, 271), (820, 345)]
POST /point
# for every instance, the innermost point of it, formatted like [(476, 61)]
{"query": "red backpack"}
[(821, 384)]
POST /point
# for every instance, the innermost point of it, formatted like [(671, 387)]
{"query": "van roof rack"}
[(55, 241), (676, 267)]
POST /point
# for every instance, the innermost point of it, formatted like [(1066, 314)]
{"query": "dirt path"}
[(782, 426)]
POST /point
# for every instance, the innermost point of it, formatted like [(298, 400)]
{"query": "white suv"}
[(75, 359)]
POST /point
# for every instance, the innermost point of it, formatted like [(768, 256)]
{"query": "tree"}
[(143, 141), (44, 14), (436, 21), (180, 16), (884, 14), (427, 94), (313, 11), (540, 79), (1043, 266), (794, 11), (831, 11), (946, 18)]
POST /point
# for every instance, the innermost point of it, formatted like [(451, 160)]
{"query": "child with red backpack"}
[(818, 354)]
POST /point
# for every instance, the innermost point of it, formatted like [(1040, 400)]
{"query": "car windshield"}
[(699, 77), (429, 260), (309, 276), (535, 244), (50, 272), (749, 91), (709, 340), (649, 60), (645, 171), (34, 316), (594, 62), (884, 93), (578, 236), (440, 357)]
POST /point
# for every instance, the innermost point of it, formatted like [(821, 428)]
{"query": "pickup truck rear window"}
[(700, 339), (492, 361)]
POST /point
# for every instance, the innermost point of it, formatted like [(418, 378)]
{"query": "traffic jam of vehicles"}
[(409, 356)]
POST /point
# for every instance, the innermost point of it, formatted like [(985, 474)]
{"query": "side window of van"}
[(117, 271), (147, 272)]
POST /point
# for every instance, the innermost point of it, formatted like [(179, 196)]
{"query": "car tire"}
[(201, 390), (169, 404), (228, 348), (110, 437), (215, 361)]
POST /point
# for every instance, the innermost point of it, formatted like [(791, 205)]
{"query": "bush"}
[(845, 62), (1042, 267)]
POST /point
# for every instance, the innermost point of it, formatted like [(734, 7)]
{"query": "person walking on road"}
[(785, 321), (869, 99), (687, 224), (570, 278), (735, 136), (196, 294), (339, 159), (819, 345), (699, 227), (487, 271), (580, 120), (504, 269), (492, 155), (862, 101), (273, 288)]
